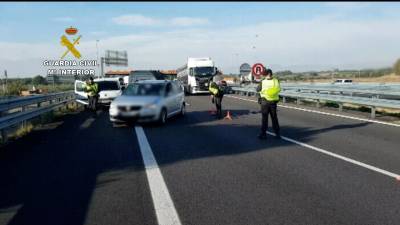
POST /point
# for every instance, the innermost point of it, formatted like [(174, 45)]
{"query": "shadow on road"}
[(50, 175), (201, 135)]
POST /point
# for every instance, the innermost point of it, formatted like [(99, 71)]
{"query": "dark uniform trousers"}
[(93, 102), (218, 105), (268, 107)]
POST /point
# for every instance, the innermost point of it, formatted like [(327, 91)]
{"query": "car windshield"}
[(141, 75), (203, 71), (144, 90), (108, 85)]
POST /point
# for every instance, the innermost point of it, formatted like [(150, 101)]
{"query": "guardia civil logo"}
[(71, 31)]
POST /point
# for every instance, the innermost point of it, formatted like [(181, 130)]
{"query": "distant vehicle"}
[(343, 81), (244, 79), (138, 75), (148, 100), (249, 78), (126, 80), (109, 88), (224, 85), (197, 74)]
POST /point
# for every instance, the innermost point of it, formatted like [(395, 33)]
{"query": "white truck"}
[(197, 74)]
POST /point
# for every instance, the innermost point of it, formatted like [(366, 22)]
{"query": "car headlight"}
[(151, 106)]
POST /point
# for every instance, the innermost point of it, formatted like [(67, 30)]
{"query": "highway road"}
[(199, 170)]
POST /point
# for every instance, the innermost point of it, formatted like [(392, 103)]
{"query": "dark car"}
[(139, 75)]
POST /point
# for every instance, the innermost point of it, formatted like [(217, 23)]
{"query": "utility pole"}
[(102, 66), (3, 86), (256, 42), (97, 55)]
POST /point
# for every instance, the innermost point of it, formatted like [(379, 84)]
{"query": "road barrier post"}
[(340, 107), (373, 112), (318, 103)]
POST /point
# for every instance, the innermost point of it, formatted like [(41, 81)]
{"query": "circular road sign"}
[(258, 69), (245, 68)]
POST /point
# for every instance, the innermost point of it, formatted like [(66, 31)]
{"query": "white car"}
[(343, 81), (109, 89), (148, 100)]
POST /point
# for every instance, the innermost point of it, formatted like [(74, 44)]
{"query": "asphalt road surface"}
[(200, 170)]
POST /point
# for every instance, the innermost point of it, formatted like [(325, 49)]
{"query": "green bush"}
[(332, 104), (39, 80), (15, 87)]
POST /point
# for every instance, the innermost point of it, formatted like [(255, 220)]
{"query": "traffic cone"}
[(228, 116)]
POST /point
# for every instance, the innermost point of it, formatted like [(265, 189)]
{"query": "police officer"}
[(92, 90), (217, 93), (269, 89)]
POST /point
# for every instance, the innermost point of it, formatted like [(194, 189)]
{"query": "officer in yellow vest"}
[(92, 90), (217, 94), (269, 89)]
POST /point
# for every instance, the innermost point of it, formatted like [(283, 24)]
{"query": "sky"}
[(297, 36)]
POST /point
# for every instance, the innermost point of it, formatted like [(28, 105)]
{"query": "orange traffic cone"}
[(228, 116)]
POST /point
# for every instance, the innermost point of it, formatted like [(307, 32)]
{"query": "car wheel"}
[(163, 117)]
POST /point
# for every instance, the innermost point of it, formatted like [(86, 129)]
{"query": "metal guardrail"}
[(340, 99), (18, 110), (342, 90), (29, 100)]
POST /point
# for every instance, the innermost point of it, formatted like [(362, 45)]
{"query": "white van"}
[(109, 89)]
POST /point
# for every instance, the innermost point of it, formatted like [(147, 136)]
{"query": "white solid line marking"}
[(325, 113), (87, 123), (373, 168), (163, 205)]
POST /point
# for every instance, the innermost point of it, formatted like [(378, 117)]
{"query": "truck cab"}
[(197, 74)]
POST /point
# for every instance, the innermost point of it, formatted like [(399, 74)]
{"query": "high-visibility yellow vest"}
[(92, 89), (213, 90), (270, 89)]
